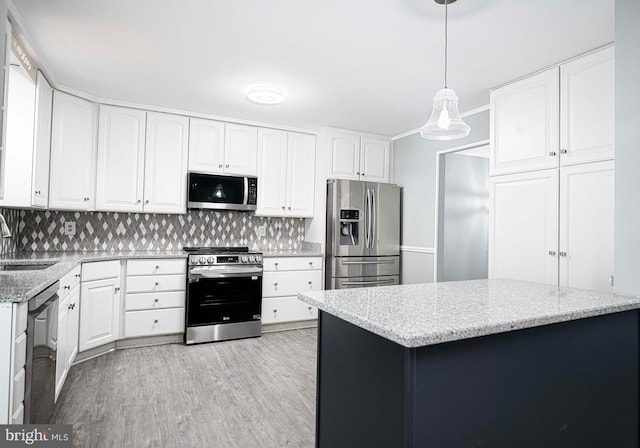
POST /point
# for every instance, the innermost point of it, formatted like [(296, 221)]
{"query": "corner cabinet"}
[(358, 157), (73, 153), (99, 304), (68, 326), (286, 173), (559, 117)]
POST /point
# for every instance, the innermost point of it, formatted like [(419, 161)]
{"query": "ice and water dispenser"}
[(349, 227)]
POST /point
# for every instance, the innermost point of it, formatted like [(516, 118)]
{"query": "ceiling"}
[(370, 66)]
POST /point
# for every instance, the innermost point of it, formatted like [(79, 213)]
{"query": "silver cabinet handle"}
[(283, 207), (220, 166), (553, 154), (289, 207), (138, 201), (146, 201), (86, 199), (563, 254), (157, 267), (276, 265), (310, 282), (363, 175), (227, 166), (156, 300), (155, 321), (552, 252), (563, 151), (157, 283), (275, 284)]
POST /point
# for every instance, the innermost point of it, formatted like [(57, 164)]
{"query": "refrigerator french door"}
[(363, 234)]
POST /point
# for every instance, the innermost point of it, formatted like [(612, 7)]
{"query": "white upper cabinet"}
[(272, 172), (241, 149), (121, 146), (165, 168), (206, 146), (587, 108), (286, 173), (524, 128), (523, 226), (73, 153), (301, 167), (586, 225), (42, 143), (374, 160), (345, 156), (357, 157)]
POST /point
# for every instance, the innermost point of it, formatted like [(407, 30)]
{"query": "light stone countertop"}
[(433, 313)]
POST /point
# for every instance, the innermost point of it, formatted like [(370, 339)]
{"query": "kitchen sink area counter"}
[(497, 362)]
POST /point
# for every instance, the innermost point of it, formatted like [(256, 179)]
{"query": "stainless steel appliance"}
[(363, 234), (42, 338), (224, 294), (222, 192)]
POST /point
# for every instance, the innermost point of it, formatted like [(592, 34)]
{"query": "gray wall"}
[(414, 162), (627, 210), (463, 227)]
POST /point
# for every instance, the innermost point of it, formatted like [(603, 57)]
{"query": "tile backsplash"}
[(39, 230), (12, 217)]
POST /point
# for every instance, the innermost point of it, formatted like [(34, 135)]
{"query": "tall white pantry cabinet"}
[(552, 175)]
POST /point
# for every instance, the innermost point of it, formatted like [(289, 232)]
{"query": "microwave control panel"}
[(252, 194)]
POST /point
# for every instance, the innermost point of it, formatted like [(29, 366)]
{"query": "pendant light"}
[(445, 122)]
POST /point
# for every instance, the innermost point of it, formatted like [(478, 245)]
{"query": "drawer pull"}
[(157, 267), (310, 282), (275, 284), (155, 321), (67, 287), (157, 283), (311, 263), (155, 300)]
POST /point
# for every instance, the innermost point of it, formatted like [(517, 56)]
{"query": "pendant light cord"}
[(445, 42)]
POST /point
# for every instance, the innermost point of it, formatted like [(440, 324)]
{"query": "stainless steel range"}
[(224, 294)]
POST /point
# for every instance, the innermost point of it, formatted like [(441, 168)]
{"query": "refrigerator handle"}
[(374, 213), (366, 218)]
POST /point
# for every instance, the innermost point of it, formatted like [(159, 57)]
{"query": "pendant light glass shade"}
[(445, 122)]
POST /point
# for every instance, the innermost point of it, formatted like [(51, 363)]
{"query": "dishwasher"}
[(42, 339)]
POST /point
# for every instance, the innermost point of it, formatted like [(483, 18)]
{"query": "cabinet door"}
[(206, 146), (119, 179), (272, 172), (73, 152), (73, 325), (241, 149), (62, 346), (586, 225), (345, 156), (587, 108), (374, 160), (165, 168), (523, 226), (42, 142), (99, 313), (301, 169), (524, 126)]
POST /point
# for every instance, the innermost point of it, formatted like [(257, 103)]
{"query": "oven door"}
[(223, 294)]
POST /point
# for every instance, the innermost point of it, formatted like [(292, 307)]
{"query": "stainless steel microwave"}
[(218, 191)]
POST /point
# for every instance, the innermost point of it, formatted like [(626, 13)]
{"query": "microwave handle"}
[(246, 190)]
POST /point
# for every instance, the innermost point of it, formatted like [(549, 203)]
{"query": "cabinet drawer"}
[(292, 263), (156, 266), (155, 283), (153, 322), (276, 284), (18, 390), (286, 309), (20, 356), (100, 269), (18, 416), (68, 282), (154, 300)]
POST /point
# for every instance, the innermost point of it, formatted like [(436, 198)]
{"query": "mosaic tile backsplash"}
[(44, 230)]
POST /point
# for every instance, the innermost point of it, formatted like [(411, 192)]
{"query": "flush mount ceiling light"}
[(445, 122), (265, 94)]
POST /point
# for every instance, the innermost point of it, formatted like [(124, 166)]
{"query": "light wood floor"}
[(248, 393)]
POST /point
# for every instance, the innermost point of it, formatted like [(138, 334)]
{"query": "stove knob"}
[(252, 258), (244, 259), (211, 259)]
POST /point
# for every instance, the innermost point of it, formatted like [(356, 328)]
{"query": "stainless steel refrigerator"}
[(363, 234)]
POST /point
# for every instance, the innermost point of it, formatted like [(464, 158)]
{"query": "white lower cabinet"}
[(13, 350), (282, 280), (155, 298), (68, 326), (100, 304)]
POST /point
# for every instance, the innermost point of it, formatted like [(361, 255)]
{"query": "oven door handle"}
[(208, 272)]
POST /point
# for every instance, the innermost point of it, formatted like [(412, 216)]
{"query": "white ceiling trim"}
[(463, 115)]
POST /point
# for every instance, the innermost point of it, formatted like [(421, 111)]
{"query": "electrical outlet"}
[(70, 228), (261, 230)]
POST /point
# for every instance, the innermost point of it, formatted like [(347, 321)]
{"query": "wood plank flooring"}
[(249, 393)]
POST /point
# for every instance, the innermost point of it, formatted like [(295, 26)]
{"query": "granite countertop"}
[(291, 253), (427, 314), (20, 286)]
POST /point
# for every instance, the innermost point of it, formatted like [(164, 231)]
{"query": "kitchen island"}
[(482, 363)]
